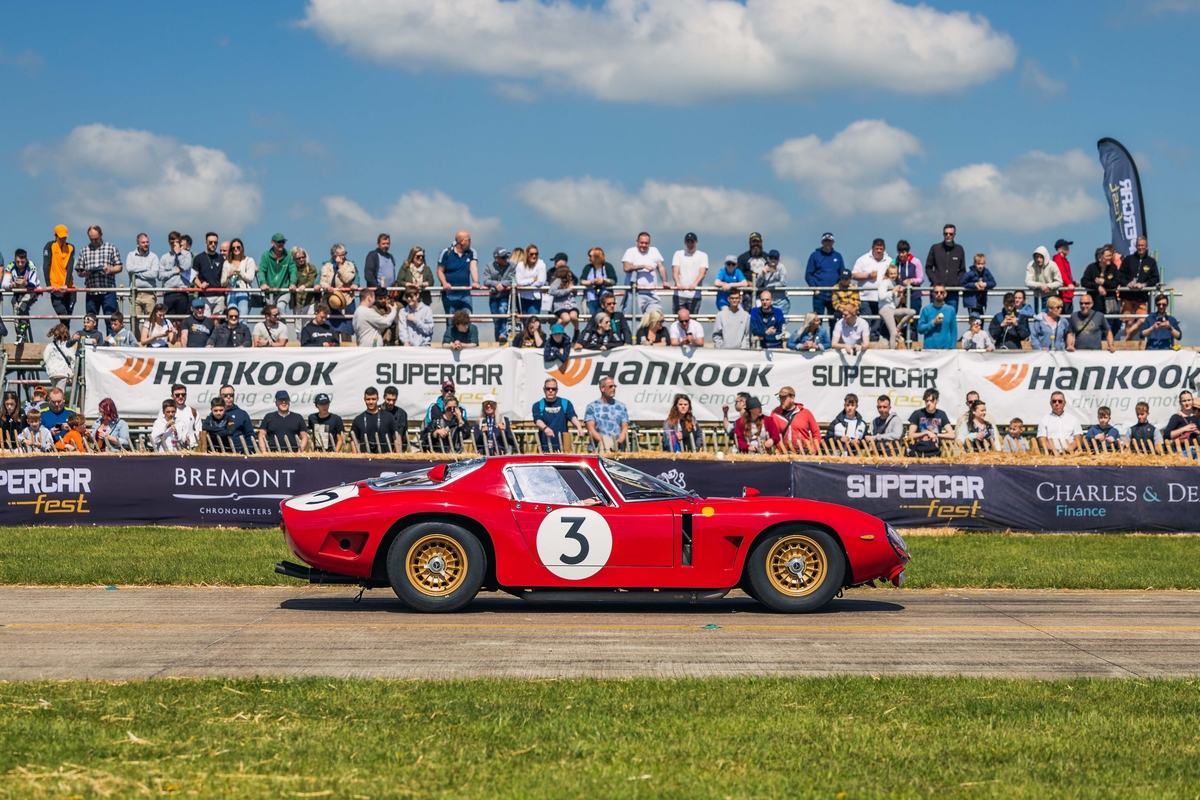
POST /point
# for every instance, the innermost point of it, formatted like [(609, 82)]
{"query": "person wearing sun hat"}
[(493, 432)]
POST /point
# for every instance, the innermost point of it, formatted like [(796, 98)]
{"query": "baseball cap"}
[(1062, 243), (756, 237), (753, 402), (279, 237), (827, 237), (730, 259), (556, 328), (448, 385), (690, 237), (283, 395), (845, 273), (60, 231), (773, 254), (198, 302), (491, 398), (786, 391), (321, 399), (500, 252), (561, 257)]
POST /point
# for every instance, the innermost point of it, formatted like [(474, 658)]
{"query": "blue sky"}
[(571, 126)]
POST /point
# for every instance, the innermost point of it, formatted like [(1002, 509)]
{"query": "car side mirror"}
[(438, 473), (749, 491)]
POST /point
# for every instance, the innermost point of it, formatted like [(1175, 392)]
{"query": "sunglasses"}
[(226, 394), (179, 394), (1057, 402), (550, 389)]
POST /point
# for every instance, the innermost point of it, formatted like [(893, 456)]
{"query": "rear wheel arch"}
[(379, 569), (800, 524)]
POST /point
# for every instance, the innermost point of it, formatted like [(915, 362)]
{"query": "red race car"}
[(586, 527)]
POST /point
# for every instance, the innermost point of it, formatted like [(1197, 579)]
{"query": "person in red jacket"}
[(797, 425), (754, 432), (1064, 267)]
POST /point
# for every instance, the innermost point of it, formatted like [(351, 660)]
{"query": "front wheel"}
[(796, 571), (436, 566)]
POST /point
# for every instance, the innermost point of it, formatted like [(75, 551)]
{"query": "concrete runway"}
[(292, 631)]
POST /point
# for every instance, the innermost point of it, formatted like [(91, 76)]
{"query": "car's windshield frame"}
[(612, 468), (454, 471)]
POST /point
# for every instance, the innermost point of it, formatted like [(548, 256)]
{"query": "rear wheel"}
[(796, 571), (436, 566)]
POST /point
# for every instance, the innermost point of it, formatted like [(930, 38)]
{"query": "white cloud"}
[(1034, 78), (432, 217), (676, 51), (857, 170), (591, 205), (127, 179), (1032, 193), (1187, 307)]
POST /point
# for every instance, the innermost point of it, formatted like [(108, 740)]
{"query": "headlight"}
[(896, 541)]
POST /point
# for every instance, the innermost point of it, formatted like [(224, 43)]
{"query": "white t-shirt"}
[(676, 330), (867, 263), (275, 334), (1060, 429), (690, 266), (856, 334), (647, 264)]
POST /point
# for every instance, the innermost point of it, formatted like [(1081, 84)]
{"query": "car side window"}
[(563, 486)]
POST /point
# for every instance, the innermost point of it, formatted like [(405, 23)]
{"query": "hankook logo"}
[(1009, 376), (134, 370)]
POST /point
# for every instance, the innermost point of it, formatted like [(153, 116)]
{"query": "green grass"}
[(770, 738), (217, 556), (1060, 561)]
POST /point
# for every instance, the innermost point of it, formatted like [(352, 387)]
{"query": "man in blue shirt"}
[(54, 416), (938, 322), (552, 414), (767, 323), (238, 427), (1160, 329), (607, 418), (458, 266), (823, 268)]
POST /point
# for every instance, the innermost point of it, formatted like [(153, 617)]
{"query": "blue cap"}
[(557, 329), (198, 302), (282, 395), (773, 254), (500, 252)]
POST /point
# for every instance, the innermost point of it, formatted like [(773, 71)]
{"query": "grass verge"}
[(833, 737), (223, 556)]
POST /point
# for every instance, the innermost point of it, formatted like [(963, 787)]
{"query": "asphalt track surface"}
[(141, 632)]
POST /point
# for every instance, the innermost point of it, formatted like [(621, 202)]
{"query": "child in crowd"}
[(38, 403), (1144, 437), (845, 293), (1102, 435), (1014, 442), (35, 437), (76, 438)]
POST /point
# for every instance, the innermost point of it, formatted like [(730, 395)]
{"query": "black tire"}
[(420, 587), (808, 567)]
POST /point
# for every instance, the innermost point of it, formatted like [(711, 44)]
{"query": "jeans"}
[(499, 305), (282, 300), (453, 301), (240, 301), (593, 307), (646, 299), (823, 304), (692, 304), (530, 305), (102, 303)]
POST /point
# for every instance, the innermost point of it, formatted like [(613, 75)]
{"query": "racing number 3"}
[(573, 533)]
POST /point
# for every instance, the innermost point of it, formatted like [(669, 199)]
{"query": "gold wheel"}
[(436, 565), (797, 565)]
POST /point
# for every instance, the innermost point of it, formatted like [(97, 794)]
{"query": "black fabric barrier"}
[(1057, 499), (197, 490)]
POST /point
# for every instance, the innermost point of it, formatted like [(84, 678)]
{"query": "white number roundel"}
[(316, 501), (574, 543)]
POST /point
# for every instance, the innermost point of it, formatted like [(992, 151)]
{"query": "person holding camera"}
[(1160, 330)]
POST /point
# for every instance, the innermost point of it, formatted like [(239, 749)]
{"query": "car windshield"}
[(420, 478), (637, 485)]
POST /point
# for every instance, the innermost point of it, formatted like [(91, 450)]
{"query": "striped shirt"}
[(92, 259)]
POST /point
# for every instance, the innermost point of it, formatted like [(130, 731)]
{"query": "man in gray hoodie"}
[(1042, 277), (731, 330)]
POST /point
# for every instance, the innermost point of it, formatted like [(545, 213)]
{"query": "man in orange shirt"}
[(58, 273), (800, 430)]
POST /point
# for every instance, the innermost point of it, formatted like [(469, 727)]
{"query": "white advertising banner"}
[(139, 379), (1013, 383), (1018, 383), (649, 378)]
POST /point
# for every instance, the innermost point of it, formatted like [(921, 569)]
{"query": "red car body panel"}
[(647, 547)]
